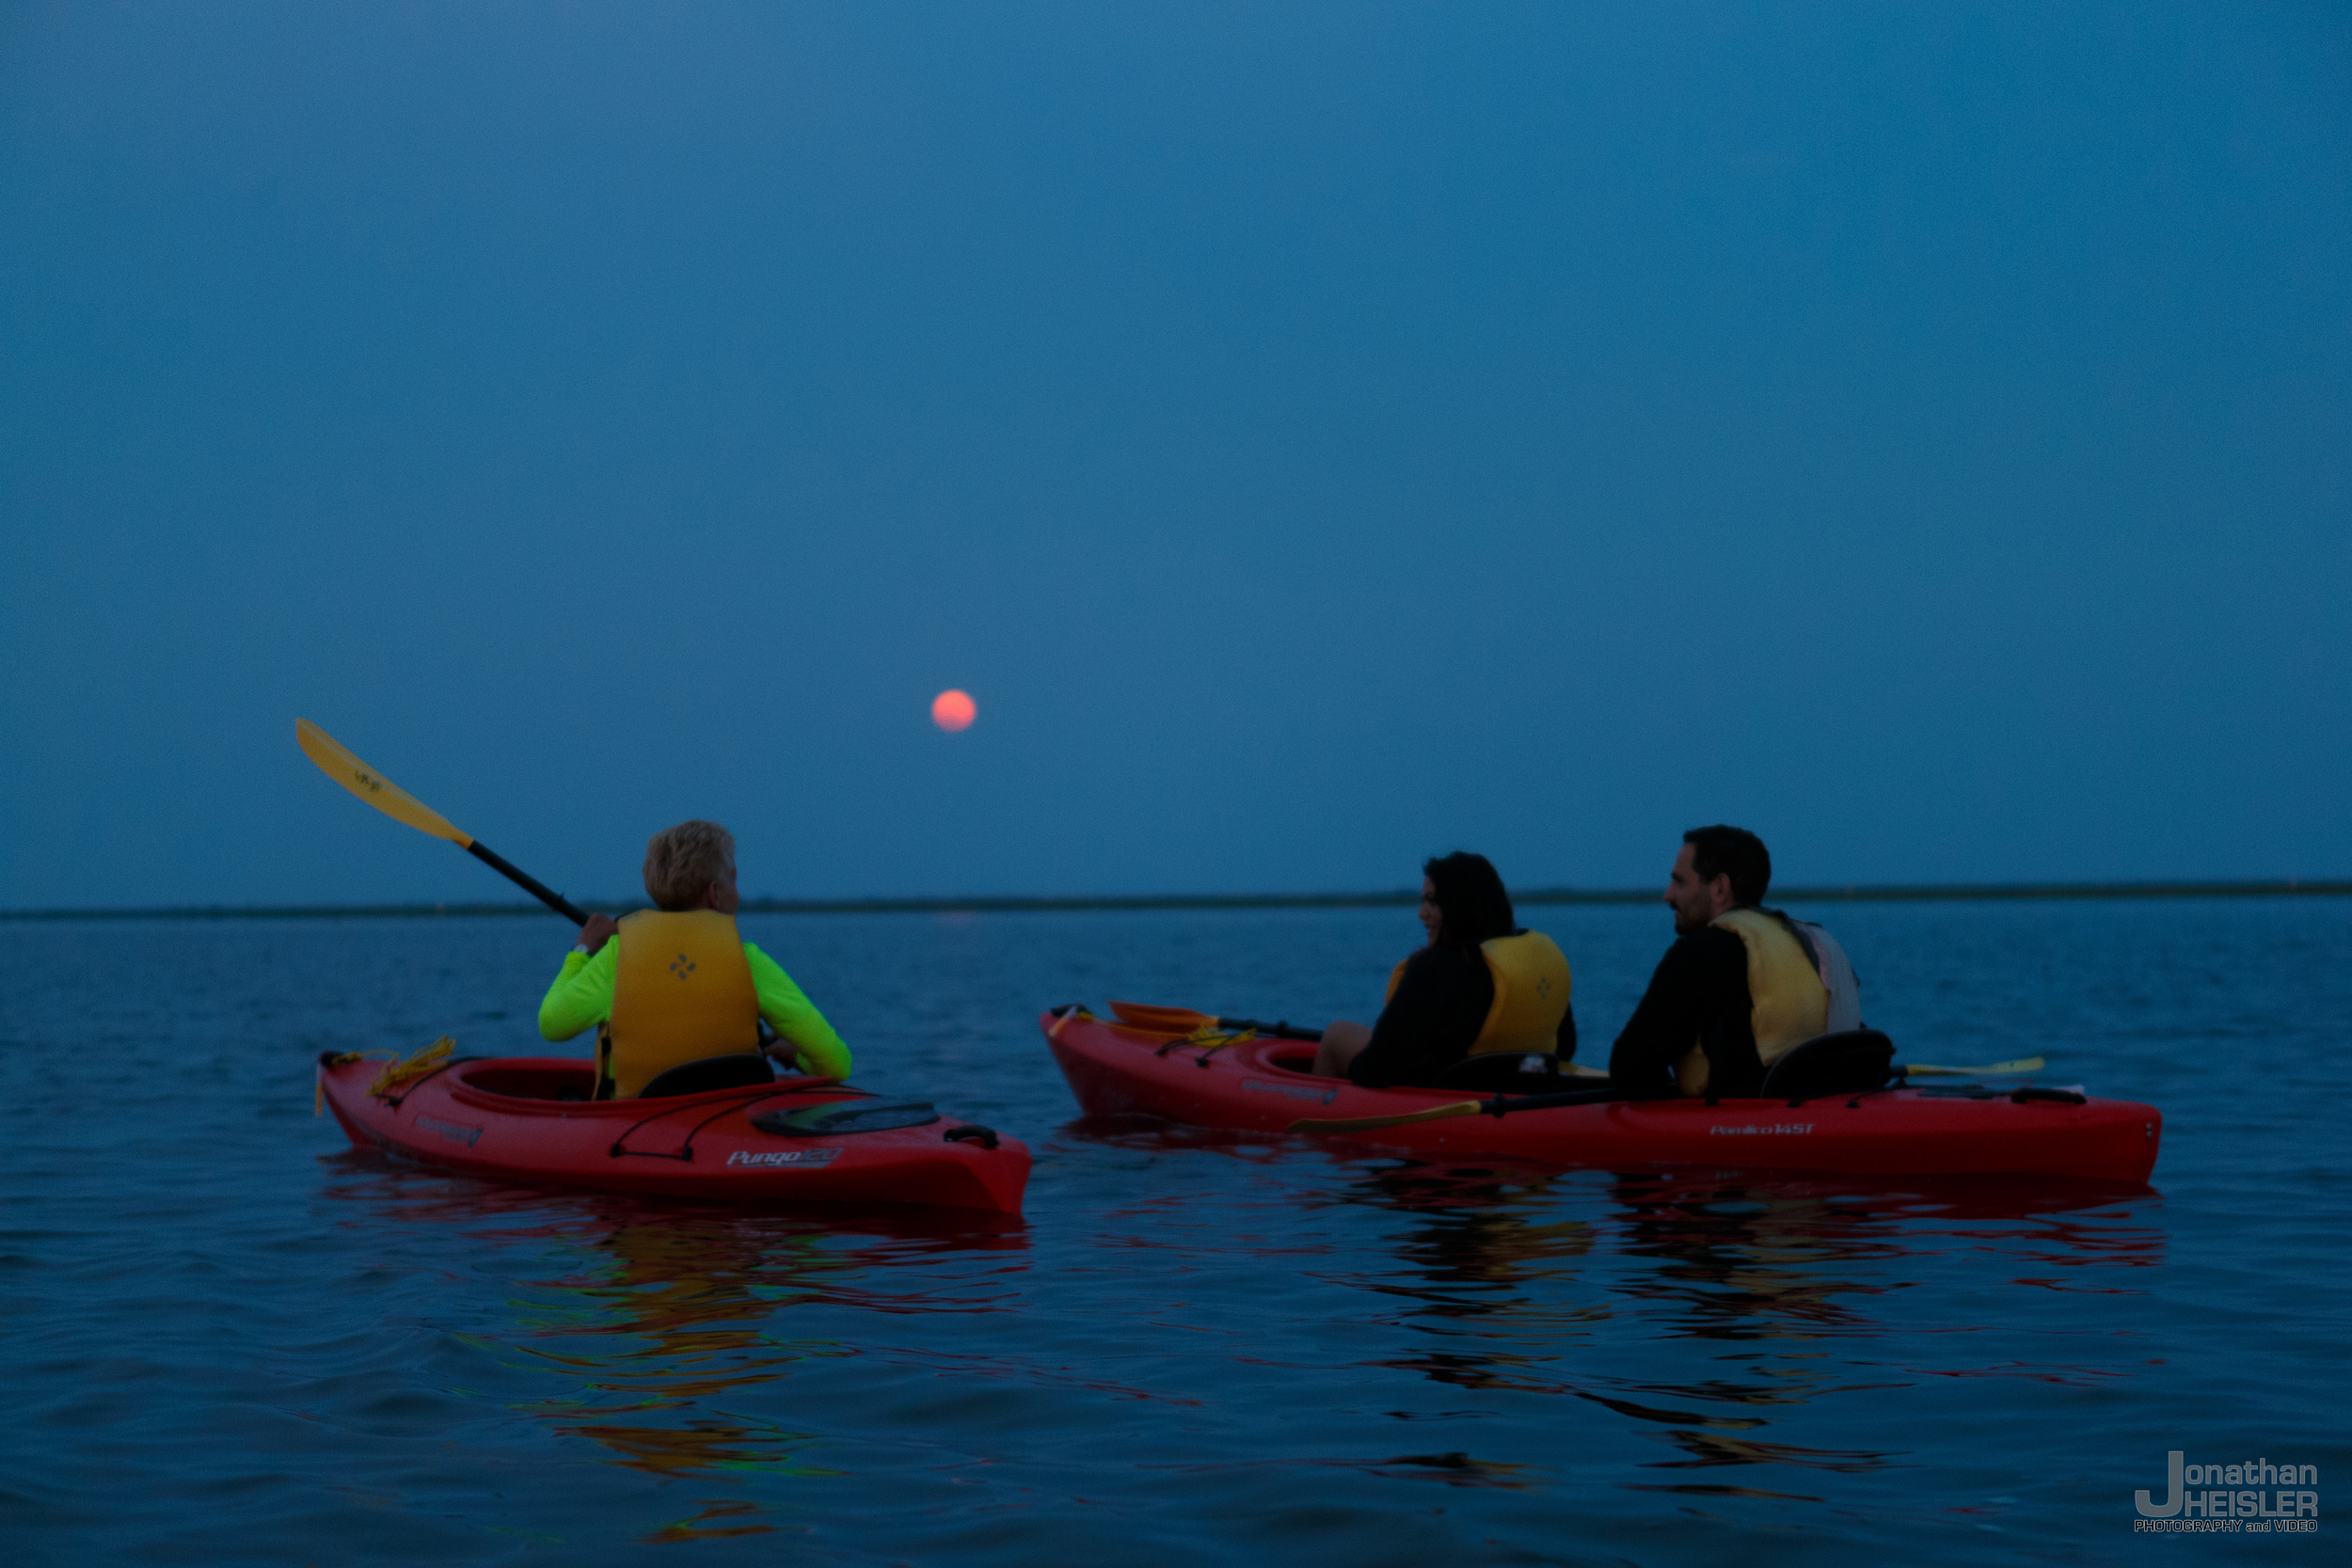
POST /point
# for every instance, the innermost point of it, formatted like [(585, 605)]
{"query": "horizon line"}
[(1025, 903)]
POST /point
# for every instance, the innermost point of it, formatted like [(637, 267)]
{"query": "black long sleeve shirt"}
[(1698, 995), (1441, 1004)]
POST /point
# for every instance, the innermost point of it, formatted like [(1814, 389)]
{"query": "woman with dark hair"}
[(1482, 985)]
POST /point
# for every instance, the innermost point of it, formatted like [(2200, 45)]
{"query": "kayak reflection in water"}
[(1482, 985), (680, 984), (1741, 987)]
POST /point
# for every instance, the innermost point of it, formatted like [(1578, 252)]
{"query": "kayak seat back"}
[(736, 1069), (1497, 1072), (1845, 1063)]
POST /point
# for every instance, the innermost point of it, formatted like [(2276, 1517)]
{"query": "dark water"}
[(231, 1339)]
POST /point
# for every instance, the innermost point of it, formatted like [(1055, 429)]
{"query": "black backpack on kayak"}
[(1850, 1062)]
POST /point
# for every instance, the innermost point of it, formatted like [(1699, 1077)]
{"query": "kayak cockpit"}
[(559, 1079), (531, 1078), (566, 1086)]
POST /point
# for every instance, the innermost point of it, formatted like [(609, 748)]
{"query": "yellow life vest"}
[(681, 991), (1531, 981), (1788, 1002), (1531, 995)]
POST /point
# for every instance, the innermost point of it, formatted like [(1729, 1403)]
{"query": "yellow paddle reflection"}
[(690, 1293), (667, 1325)]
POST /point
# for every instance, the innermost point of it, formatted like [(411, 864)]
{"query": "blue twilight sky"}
[(1318, 434)]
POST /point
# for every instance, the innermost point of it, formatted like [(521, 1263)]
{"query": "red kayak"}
[(529, 1118), (1233, 1080)]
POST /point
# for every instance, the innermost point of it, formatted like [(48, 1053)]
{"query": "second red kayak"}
[(1242, 1084)]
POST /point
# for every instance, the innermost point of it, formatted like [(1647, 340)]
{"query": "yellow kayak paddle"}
[(337, 763)]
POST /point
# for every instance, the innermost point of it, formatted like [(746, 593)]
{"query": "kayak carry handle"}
[(972, 1131)]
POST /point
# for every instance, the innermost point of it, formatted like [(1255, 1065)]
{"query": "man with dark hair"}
[(1741, 987), (1733, 852)]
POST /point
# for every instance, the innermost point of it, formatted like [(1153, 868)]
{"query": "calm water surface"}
[(233, 1339)]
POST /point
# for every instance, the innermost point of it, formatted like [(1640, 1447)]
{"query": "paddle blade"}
[(1366, 1124), (1993, 1070), (370, 786)]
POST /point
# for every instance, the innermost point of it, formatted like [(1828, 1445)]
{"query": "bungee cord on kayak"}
[(430, 1059)]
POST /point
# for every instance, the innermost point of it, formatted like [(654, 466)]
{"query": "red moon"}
[(953, 710)]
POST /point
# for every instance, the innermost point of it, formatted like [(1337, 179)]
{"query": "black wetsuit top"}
[(1441, 1004), (1698, 995)]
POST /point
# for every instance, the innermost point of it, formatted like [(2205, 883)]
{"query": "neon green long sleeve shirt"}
[(581, 998)]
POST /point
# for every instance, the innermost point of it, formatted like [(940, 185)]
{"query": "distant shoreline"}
[(1923, 893)]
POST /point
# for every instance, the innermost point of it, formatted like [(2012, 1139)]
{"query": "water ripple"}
[(233, 1339)]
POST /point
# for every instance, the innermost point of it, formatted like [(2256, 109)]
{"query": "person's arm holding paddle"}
[(581, 996)]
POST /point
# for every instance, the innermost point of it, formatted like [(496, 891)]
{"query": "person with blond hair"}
[(677, 984)]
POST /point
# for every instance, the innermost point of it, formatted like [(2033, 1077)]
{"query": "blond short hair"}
[(682, 863)]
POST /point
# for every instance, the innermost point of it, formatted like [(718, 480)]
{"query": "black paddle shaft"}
[(1272, 1031), (528, 882), (1503, 1104)]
